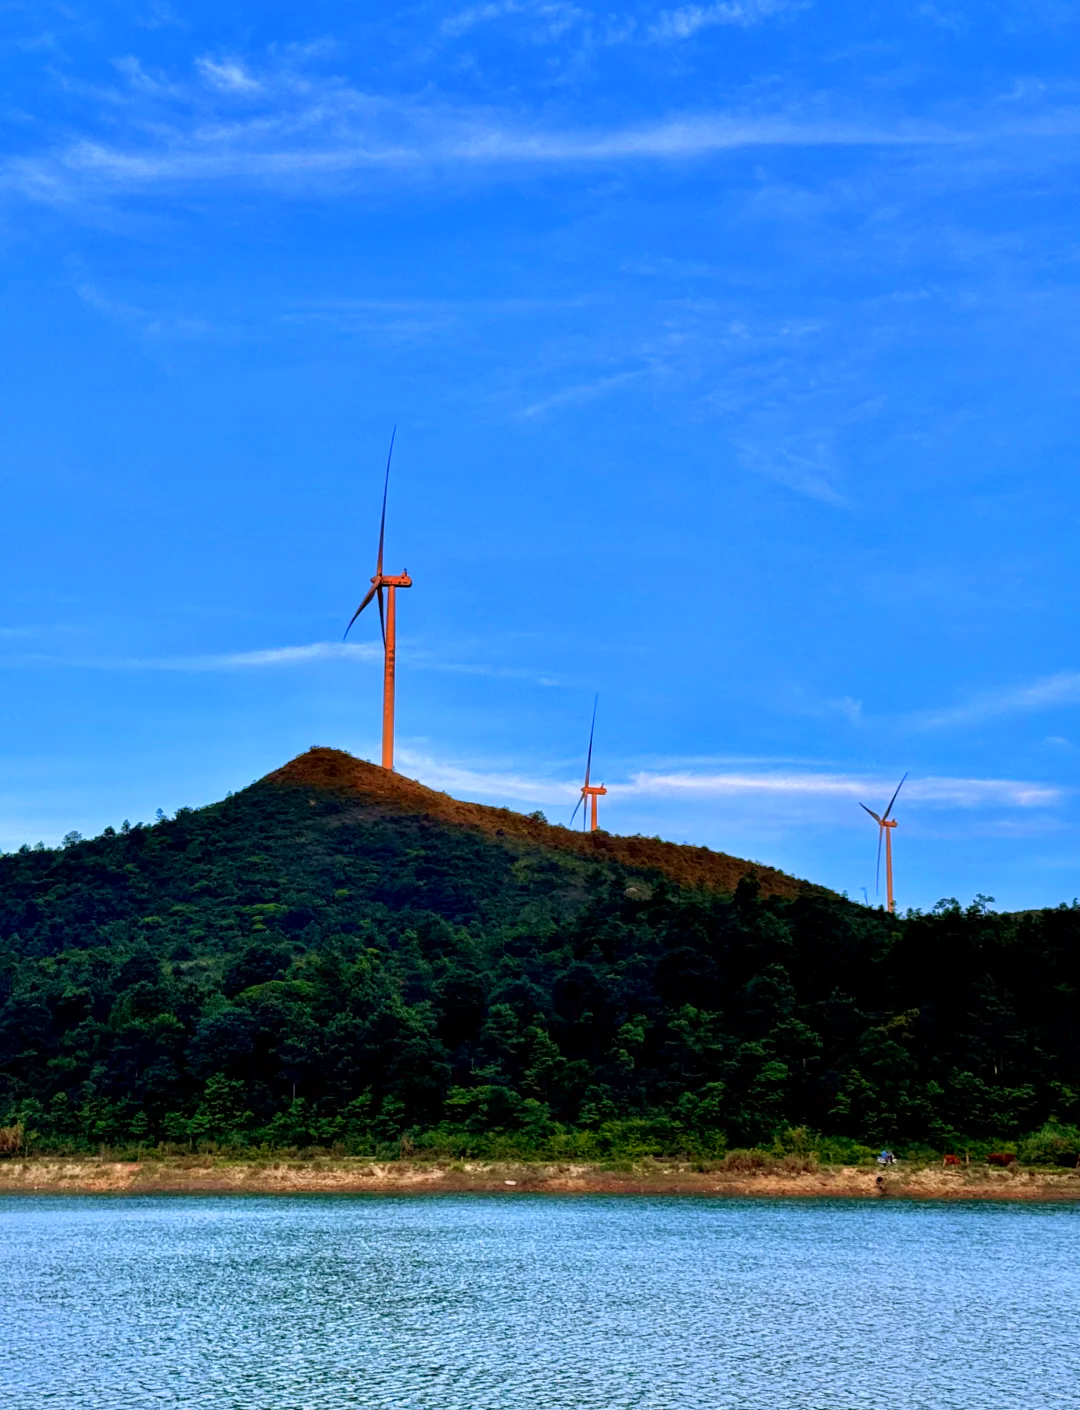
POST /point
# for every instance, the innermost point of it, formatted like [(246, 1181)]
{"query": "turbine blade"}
[(877, 877), (592, 731), (356, 614), (382, 615), (871, 812), (577, 805), (892, 800), (386, 487)]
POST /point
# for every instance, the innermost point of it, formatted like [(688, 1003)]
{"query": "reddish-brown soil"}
[(219, 1175), (376, 789)]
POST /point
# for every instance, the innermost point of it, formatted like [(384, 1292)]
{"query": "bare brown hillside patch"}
[(375, 788)]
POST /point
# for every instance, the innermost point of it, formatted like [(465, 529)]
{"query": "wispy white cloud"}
[(481, 783), (141, 80), (794, 792), (321, 651), (229, 75), (219, 661), (274, 656), (954, 792), (582, 392), (1046, 693), (806, 474), (158, 15), (712, 761), (688, 20), (312, 653), (550, 18), (147, 321), (404, 322), (307, 131), (274, 118), (426, 662)]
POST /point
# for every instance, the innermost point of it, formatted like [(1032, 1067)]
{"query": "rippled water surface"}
[(532, 1301)]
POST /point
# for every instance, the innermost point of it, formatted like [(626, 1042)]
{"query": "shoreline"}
[(217, 1175)]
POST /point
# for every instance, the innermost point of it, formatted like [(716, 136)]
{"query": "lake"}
[(319, 1303)]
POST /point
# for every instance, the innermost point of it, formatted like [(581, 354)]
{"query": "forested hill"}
[(366, 791), (338, 955)]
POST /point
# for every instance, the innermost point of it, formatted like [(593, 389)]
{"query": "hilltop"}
[(340, 957), (374, 790)]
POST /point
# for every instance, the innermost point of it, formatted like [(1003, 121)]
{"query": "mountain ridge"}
[(377, 789)]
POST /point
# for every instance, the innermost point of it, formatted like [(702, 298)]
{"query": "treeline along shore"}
[(337, 964)]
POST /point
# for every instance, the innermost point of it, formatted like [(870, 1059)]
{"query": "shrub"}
[(797, 1164), (1053, 1145), (835, 1150), (11, 1139), (745, 1162)]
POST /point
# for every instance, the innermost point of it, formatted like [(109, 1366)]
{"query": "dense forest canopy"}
[(305, 964)]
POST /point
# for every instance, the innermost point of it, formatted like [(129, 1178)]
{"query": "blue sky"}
[(733, 351)]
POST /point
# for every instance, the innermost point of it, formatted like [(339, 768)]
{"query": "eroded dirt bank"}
[(216, 1175)]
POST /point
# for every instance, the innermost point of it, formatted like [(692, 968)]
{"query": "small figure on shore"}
[(886, 1158), (950, 1160)]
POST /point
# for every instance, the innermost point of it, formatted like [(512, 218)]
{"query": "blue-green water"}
[(537, 1302)]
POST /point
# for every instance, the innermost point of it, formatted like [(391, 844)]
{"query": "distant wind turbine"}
[(590, 791), (885, 827), (381, 582)]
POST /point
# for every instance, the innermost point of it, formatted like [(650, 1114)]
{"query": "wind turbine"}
[(885, 827), (590, 791), (388, 620)]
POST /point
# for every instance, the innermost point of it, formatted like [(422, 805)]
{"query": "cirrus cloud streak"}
[(790, 790), (1046, 693), (936, 791)]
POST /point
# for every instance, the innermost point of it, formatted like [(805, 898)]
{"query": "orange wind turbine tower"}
[(589, 791), (383, 582), (885, 827)]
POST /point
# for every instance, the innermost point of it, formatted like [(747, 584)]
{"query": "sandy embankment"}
[(216, 1175)]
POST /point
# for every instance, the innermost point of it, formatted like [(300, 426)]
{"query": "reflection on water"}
[(535, 1302)]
